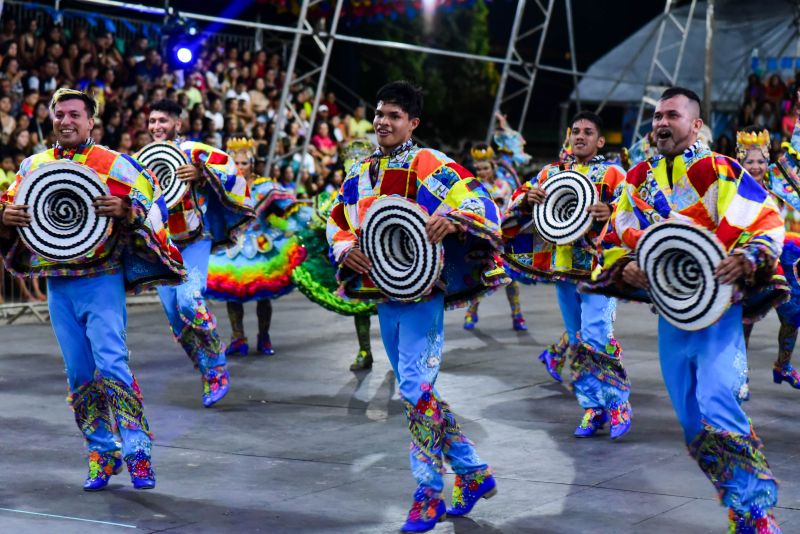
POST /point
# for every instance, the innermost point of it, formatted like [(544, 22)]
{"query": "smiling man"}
[(86, 296), (704, 369), (599, 381), (216, 204), (466, 220)]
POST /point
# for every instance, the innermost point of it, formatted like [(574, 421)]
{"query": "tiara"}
[(760, 139), (482, 154), (240, 143)]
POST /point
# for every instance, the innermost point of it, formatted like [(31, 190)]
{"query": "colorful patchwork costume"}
[(703, 370), (259, 265), (87, 310), (599, 379), (502, 185), (778, 182), (212, 208), (444, 188)]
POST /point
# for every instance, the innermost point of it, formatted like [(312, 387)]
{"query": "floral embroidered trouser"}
[(413, 335), (191, 321), (598, 378), (703, 372), (89, 320)]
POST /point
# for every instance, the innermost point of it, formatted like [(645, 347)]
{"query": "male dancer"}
[(599, 380), (704, 369), (215, 204), (87, 296), (413, 332)]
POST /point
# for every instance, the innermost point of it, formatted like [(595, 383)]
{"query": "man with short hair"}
[(704, 369), (465, 219), (216, 203), (599, 380), (87, 296)]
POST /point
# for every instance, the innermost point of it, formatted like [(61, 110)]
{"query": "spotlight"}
[(184, 55)]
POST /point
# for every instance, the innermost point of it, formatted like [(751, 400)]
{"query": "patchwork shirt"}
[(441, 187), (707, 189), (139, 245), (529, 254), (214, 206)]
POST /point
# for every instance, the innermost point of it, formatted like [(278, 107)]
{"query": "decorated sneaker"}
[(593, 420), (101, 466), (553, 363), (142, 475), (238, 345), (620, 419), (786, 373), (469, 488), (215, 385), (427, 510), (757, 521), (363, 361), (470, 320), (265, 345), (518, 322)]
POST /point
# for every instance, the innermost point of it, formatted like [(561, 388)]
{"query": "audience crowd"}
[(227, 93)]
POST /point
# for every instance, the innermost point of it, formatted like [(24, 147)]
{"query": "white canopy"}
[(742, 28)]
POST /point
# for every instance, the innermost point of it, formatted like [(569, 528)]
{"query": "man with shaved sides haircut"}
[(704, 369)]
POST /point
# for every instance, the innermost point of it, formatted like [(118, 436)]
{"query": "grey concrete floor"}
[(300, 444)]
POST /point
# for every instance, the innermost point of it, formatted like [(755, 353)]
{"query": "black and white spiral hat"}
[(562, 217), (163, 159), (679, 260), (64, 225), (405, 264)]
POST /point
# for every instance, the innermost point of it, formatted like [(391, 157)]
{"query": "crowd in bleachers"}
[(771, 105), (227, 93)]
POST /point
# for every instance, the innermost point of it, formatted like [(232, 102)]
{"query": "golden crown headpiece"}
[(747, 141), (482, 154), (235, 144)]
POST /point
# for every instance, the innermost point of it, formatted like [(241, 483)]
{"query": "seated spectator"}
[(775, 90), (195, 132), (789, 120), (40, 127), (766, 117), (7, 122), (125, 145), (29, 101), (215, 113), (358, 126), (26, 50), (323, 142)]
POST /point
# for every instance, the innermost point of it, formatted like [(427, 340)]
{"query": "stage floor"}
[(301, 444)]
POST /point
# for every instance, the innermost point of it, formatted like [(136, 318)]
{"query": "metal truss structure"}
[(661, 69)]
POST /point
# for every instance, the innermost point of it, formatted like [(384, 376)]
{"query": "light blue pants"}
[(89, 320), (413, 335), (191, 321), (703, 372), (599, 380)]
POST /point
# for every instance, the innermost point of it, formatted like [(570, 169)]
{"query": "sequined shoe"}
[(787, 374), (265, 345), (142, 475), (238, 345), (518, 322), (363, 361), (593, 420), (470, 320), (757, 521), (101, 466), (215, 385), (469, 488), (427, 510), (552, 363), (620, 419)]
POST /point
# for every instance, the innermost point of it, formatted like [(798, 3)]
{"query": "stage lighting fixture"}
[(184, 55)]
